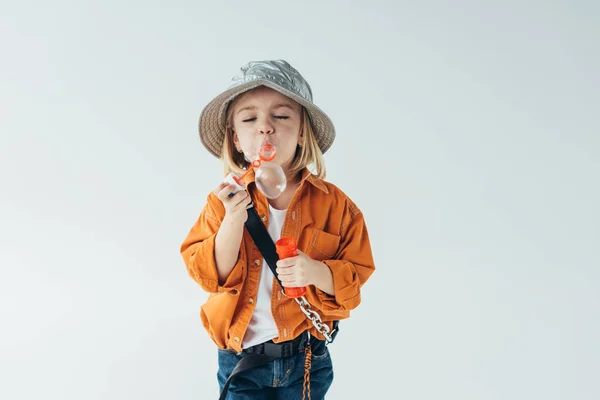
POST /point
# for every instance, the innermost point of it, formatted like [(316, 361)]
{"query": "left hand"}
[(298, 271)]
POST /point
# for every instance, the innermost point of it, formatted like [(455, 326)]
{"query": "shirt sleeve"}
[(351, 267), (198, 252)]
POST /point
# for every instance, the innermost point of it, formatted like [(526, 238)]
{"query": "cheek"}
[(249, 143), (244, 136), (286, 152)]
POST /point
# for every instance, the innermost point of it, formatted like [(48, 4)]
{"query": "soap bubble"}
[(270, 179)]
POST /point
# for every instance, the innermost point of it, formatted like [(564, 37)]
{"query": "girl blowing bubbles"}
[(276, 351)]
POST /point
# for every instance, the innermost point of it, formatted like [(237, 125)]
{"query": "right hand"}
[(235, 206)]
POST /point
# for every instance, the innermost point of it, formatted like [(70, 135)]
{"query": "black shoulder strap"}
[(263, 241)]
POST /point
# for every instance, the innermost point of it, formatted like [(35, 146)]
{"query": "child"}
[(246, 314)]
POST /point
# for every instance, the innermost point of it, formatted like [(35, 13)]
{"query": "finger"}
[(302, 256), (285, 272), (241, 205), (286, 280), (301, 253), (246, 200), (224, 193), (286, 262), (239, 198), (233, 201), (221, 186)]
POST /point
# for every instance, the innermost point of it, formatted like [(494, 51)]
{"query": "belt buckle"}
[(278, 350), (273, 350)]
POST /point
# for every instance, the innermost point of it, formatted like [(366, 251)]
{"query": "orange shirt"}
[(326, 225)]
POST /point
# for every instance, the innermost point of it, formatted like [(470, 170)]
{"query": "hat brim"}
[(213, 118)]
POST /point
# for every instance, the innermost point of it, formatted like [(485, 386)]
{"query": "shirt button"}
[(293, 214), (257, 262), (251, 300), (237, 339), (264, 218)]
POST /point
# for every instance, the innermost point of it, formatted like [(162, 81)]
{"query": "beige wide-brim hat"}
[(277, 75)]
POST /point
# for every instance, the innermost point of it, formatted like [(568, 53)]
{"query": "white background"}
[(468, 133)]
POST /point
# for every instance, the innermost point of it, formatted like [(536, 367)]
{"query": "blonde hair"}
[(309, 155)]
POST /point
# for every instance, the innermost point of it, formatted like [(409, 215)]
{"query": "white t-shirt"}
[(262, 325)]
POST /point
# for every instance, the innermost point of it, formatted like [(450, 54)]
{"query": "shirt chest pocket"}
[(322, 245)]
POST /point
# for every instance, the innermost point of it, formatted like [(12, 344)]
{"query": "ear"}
[(236, 141)]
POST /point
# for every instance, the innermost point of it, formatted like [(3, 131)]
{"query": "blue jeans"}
[(279, 379)]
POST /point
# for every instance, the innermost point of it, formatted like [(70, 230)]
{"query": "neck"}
[(293, 179)]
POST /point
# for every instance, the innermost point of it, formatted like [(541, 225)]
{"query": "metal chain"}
[(315, 318)]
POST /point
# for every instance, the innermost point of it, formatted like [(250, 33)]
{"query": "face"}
[(265, 116)]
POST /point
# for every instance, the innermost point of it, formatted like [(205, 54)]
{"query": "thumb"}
[(300, 253)]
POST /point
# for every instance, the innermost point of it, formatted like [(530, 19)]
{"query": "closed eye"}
[(275, 116)]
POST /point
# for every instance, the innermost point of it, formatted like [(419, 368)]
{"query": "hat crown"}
[(279, 72)]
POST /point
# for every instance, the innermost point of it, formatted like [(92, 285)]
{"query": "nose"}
[(266, 128)]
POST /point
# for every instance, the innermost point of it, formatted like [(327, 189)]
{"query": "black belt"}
[(279, 350)]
